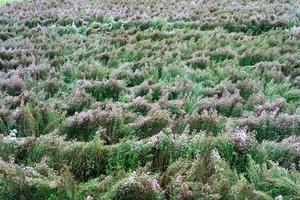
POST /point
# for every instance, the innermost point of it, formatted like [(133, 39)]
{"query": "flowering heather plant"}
[(271, 125), (208, 120), (228, 105), (110, 89), (137, 186), (255, 100), (83, 125), (13, 86), (180, 92), (140, 105), (242, 140), (78, 100), (152, 124), (285, 152), (222, 54)]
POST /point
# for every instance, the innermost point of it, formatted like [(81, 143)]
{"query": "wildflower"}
[(14, 85), (89, 198), (215, 155), (16, 113), (279, 197), (241, 139), (132, 176), (155, 185), (13, 133)]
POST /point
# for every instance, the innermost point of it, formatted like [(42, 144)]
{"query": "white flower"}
[(16, 113), (13, 133), (280, 197), (296, 30), (132, 177), (89, 198), (215, 155)]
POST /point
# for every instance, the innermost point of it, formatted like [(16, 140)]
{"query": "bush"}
[(94, 90), (110, 89), (199, 63), (274, 180), (51, 86), (137, 186), (86, 161), (13, 86), (35, 121), (152, 124), (78, 100), (222, 54), (36, 185), (208, 121), (207, 177), (109, 124)]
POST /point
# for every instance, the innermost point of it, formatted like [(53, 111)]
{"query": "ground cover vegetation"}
[(150, 100)]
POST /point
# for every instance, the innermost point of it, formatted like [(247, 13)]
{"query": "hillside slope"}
[(147, 100)]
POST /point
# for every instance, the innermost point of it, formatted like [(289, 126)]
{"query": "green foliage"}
[(152, 125), (5, 1), (142, 100), (86, 161), (36, 121), (209, 122), (103, 90), (137, 186), (274, 179)]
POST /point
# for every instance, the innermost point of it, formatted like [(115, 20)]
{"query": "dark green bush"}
[(152, 124), (86, 161), (104, 90), (206, 121)]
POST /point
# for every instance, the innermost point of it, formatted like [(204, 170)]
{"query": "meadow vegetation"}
[(150, 100)]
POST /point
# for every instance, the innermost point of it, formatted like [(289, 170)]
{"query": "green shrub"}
[(152, 124), (199, 63), (51, 86), (222, 54), (274, 180), (36, 121), (13, 86), (85, 161), (137, 186), (207, 121), (104, 90)]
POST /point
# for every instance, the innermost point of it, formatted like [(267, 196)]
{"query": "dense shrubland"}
[(157, 100)]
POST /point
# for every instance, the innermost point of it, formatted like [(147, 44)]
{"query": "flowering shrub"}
[(285, 152), (200, 98), (242, 140), (31, 182), (85, 125), (13, 86), (152, 124), (228, 105), (85, 161), (270, 125), (222, 54), (51, 86), (137, 186), (208, 121), (78, 100), (140, 105), (102, 90)]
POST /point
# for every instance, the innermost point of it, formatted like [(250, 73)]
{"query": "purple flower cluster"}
[(242, 139)]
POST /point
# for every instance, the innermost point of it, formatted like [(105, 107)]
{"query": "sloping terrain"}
[(148, 100)]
